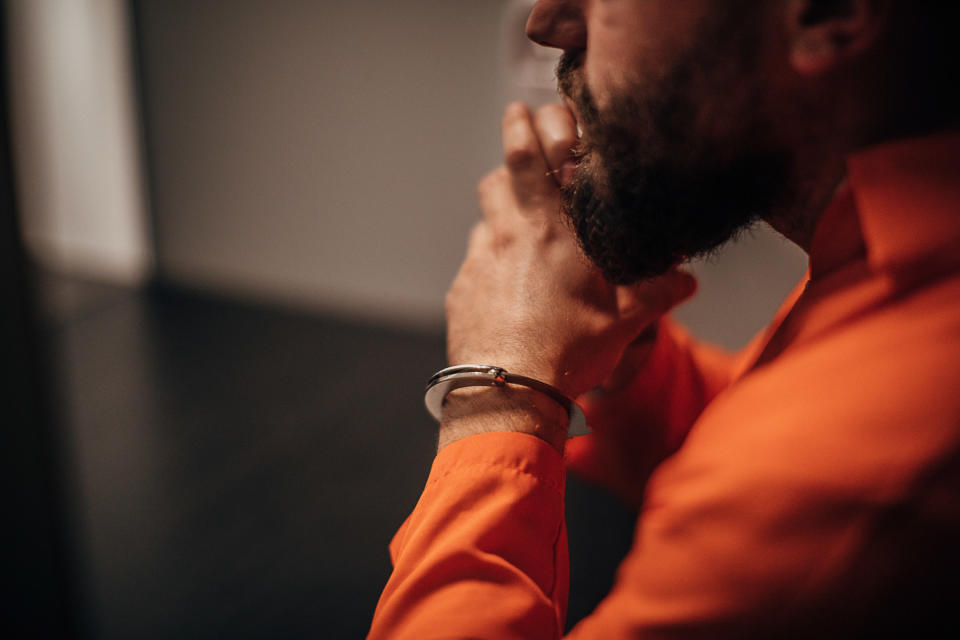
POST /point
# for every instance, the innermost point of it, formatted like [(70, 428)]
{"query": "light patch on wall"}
[(76, 143), (530, 68)]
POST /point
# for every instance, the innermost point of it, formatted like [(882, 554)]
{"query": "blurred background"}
[(230, 228)]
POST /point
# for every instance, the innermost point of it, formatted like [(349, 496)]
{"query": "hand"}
[(526, 299)]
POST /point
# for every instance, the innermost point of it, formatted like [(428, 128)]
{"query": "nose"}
[(559, 24)]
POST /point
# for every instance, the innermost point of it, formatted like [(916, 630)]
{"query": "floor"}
[(239, 469)]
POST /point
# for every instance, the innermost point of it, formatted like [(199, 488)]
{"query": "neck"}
[(814, 189)]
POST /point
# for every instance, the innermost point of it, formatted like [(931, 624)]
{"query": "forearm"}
[(484, 553)]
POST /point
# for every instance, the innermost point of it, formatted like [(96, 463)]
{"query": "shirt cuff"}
[(458, 465)]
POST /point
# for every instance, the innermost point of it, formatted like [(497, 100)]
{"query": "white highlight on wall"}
[(76, 138), (530, 68)]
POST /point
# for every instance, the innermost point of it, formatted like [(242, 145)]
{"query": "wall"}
[(320, 153), (325, 154), (76, 138)]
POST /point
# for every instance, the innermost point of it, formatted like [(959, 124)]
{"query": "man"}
[(813, 482)]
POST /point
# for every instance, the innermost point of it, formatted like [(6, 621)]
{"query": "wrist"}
[(472, 410)]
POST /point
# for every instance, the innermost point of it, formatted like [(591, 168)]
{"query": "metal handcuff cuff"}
[(483, 375)]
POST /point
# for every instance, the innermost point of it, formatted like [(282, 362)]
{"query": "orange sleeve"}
[(682, 376), (636, 426), (484, 553)]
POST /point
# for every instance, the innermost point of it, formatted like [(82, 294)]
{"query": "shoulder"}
[(814, 490), (882, 387)]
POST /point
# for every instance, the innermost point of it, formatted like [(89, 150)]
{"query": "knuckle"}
[(544, 112), (490, 182), (477, 234), (556, 120), (558, 148), (483, 188), (554, 116), (547, 232), (497, 231), (536, 203), (504, 235), (492, 235), (521, 158), (515, 110), (552, 110)]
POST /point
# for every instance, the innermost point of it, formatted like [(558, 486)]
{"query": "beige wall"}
[(321, 153), (325, 154)]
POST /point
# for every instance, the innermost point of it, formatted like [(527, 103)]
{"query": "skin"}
[(527, 300), (549, 314)]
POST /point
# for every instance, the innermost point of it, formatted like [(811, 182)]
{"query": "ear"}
[(824, 34)]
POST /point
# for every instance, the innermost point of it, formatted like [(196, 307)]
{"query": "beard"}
[(672, 168)]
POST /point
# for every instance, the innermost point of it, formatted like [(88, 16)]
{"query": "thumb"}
[(647, 300), (582, 457)]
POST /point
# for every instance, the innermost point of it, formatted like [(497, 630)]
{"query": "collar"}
[(907, 196), (900, 206), (897, 215)]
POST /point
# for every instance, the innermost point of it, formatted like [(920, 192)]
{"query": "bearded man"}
[(805, 486)]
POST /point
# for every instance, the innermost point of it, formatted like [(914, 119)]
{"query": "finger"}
[(557, 131), (479, 237), (581, 457), (523, 155), (633, 360), (495, 197), (648, 300)]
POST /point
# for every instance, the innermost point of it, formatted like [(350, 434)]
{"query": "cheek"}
[(613, 55), (606, 73), (630, 43)]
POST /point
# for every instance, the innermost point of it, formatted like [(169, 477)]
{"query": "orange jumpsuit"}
[(817, 488)]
